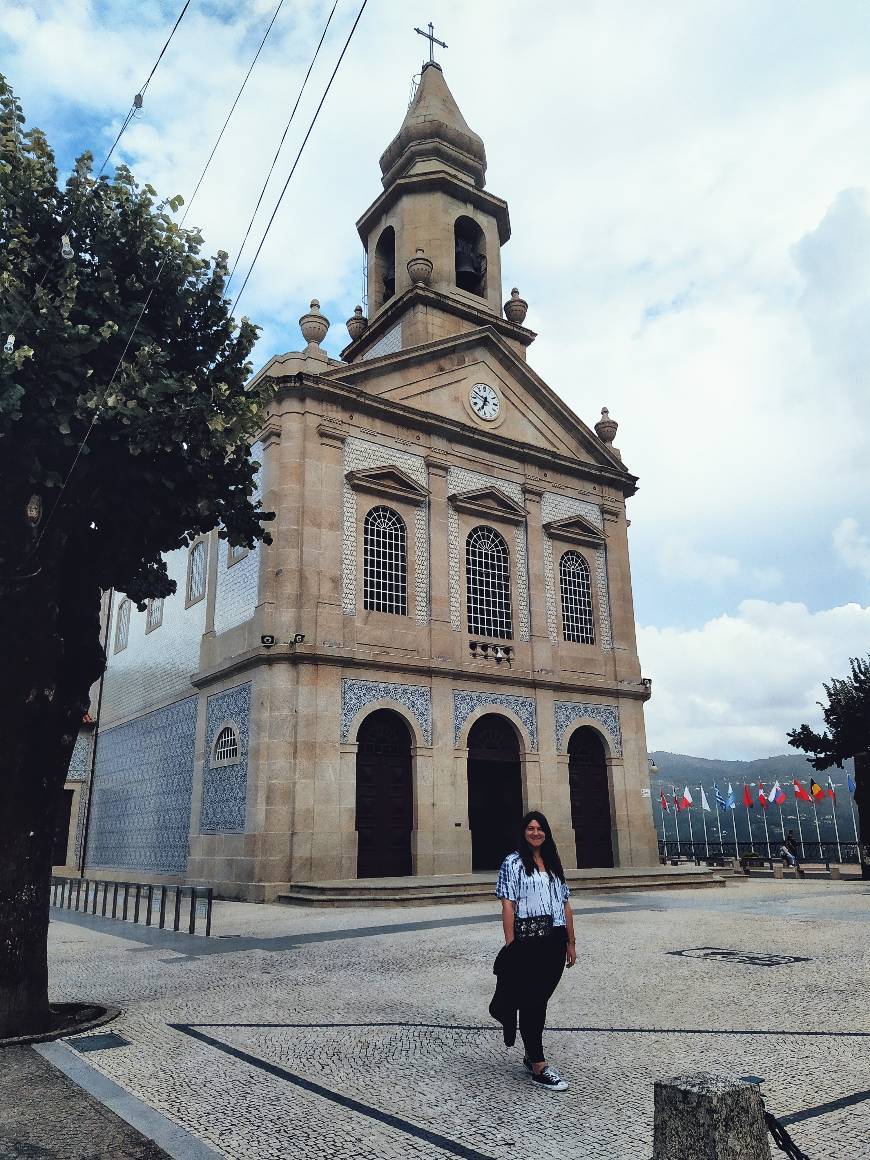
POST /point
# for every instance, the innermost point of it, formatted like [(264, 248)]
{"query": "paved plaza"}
[(364, 1033)]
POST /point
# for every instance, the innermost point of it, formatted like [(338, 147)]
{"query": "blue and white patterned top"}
[(533, 894)]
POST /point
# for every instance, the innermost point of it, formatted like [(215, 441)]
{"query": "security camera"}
[(299, 638), (267, 641)]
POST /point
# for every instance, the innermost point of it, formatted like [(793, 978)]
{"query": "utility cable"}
[(299, 154), (137, 100), (233, 108), (149, 296), (280, 147)]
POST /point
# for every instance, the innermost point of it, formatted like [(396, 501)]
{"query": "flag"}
[(731, 802), (676, 799), (777, 794), (816, 790), (850, 783), (799, 792), (720, 801), (665, 809), (762, 799), (686, 800), (705, 805), (747, 797), (831, 791)]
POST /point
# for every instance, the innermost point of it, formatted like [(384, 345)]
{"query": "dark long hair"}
[(549, 853)]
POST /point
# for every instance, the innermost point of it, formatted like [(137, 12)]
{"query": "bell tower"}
[(435, 225)]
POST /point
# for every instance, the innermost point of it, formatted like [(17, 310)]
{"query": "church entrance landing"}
[(384, 796), (495, 791), (590, 799)]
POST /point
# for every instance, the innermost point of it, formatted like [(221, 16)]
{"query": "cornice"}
[(443, 181), (378, 482), (491, 503)]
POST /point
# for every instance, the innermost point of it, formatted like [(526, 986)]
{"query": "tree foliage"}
[(847, 720)]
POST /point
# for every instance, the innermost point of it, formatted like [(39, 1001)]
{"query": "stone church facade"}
[(441, 635)]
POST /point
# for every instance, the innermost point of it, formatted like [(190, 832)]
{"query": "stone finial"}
[(606, 428), (314, 325), (356, 326), (709, 1117), (516, 308), (420, 268)]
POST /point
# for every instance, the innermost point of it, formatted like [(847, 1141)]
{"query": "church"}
[(441, 635)]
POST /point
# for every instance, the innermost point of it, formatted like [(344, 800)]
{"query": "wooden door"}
[(384, 796), (495, 791), (590, 799)]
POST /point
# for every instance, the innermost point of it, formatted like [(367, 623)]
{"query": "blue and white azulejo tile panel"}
[(465, 703), (225, 787), (356, 695), (140, 816), (79, 763), (607, 716)]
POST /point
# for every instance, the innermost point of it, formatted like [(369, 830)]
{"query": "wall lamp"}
[(269, 641)]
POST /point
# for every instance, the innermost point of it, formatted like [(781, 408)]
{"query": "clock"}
[(484, 401)]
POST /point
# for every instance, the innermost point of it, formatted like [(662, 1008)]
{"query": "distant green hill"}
[(677, 770)]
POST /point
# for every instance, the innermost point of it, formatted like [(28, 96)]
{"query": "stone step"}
[(440, 889)]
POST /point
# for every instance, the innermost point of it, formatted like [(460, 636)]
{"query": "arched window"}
[(154, 614), (122, 627), (578, 621), (470, 249), (385, 265), (197, 562), (385, 576), (488, 584), (226, 747)]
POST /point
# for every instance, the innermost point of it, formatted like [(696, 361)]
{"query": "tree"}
[(847, 720), (125, 429)]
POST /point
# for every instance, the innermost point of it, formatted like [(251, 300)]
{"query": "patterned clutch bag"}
[(536, 926)]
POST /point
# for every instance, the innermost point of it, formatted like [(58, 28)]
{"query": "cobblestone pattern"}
[(355, 695), (225, 787), (140, 816), (238, 585), (607, 716), (398, 1021), (458, 480), (361, 455), (45, 1116), (562, 507), (465, 703)]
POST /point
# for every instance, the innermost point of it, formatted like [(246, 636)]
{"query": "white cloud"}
[(681, 561), (735, 686), (852, 546)]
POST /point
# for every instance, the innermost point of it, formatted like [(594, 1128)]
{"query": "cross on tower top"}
[(433, 40)]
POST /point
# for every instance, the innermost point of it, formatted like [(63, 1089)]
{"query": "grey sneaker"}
[(550, 1080)]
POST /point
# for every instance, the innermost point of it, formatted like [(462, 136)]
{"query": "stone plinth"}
[(702, 1116)]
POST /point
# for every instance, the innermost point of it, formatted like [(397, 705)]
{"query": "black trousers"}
[(529, 971)]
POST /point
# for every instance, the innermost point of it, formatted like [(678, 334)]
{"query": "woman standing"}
[(539, 943)]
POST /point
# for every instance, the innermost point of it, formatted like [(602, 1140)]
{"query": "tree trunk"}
[(49, 625)]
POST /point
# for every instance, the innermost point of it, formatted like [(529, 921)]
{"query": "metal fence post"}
[(162, 907), (191, 925), (209, 899)]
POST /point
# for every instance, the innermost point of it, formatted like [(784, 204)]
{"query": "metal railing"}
[(824, 853), (161, 906)]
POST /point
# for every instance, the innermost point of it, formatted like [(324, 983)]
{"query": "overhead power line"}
[(137, 100), (299, 154), (280, 146)]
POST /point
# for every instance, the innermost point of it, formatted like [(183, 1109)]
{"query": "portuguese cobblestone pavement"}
[(364, 1033)]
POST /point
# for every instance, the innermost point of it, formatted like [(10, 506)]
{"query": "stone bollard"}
[(702, 1116), (778, 871), (836, 873)]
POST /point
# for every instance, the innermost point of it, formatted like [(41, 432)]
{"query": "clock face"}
[(484, 401)]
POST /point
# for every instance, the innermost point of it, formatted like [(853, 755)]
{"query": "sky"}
[(689, 189)]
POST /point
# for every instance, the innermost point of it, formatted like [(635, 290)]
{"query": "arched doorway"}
[(590, 798), (384, 796), (495, 791)]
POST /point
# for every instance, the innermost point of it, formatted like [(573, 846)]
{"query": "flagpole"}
[(766, 833), (836, 825), (854, 824), (797, 802), (691, 835), (704, 820), (676, 818), (734, 824), (664, 837), (749, 823), (718, 815), (818, 831)]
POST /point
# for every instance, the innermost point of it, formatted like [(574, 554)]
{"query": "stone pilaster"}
[(541, 645)]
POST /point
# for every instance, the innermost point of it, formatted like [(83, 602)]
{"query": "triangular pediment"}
[(391, 482), (489, 503), (575, 530), (437, 378)]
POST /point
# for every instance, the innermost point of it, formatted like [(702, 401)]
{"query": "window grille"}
[(122, 629), (226, 747), (488, 584), (154, 614), (196, 572), (578, 621), (385, 574)]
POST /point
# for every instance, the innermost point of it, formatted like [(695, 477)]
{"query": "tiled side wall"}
[(140, 815), (225, 787), (238, 585)]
